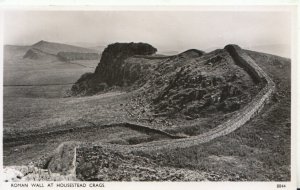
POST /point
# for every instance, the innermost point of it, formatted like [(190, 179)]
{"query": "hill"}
[(43, 75), (54, 48), (64, 52), (193, 83), (97, 48)]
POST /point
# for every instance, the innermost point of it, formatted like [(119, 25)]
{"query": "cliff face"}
[(112, 69), (109, 69)]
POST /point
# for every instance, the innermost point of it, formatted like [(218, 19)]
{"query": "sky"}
[(268, 31)]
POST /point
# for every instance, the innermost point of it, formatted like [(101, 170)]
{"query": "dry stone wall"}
[(244, 115), (239, 119)]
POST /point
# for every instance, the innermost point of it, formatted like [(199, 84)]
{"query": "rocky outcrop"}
[(110, 66), (112, 69)]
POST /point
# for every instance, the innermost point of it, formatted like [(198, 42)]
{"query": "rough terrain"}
[(159, 138)]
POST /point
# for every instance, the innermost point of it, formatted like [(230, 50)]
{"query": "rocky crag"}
[(192, 84), (113, 70)]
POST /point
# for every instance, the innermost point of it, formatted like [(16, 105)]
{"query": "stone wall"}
[(244, 62), (239, 119)]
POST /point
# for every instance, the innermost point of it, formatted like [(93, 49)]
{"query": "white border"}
[(167, 6), (144, 2)]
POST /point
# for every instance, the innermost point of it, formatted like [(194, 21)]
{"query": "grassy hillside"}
[(56, 51), (46, 71)]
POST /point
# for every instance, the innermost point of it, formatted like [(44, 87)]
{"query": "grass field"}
[(48, 78)]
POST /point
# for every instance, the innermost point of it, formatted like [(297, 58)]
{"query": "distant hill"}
[(282, 50), (54, 48), (98, 46), (51, 50), (168, 52)]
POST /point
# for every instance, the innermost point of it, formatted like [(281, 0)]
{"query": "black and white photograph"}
[(147, 95)]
